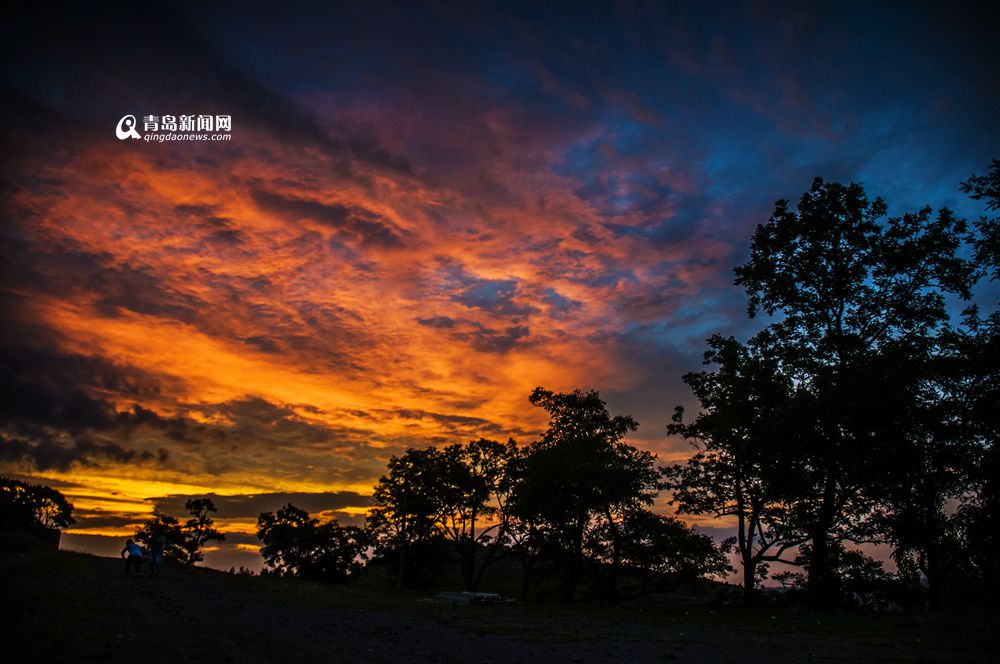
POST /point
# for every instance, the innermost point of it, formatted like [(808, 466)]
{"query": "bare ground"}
[(63, 607)]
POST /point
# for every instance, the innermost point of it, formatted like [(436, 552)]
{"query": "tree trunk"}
[(818, 582), (575, 567), (471, 582), (572, 578), (749, 576), (401, 571), (933, 574), (744, 538), (611, 590), (469, 566), (526, 565), (402, 541), (818, 585)]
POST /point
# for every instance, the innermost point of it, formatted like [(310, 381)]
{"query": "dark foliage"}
[(662, 552), (741, 468), (32, 507), (459, 494), (579, 477), (860, 413), (296, 544), (183, 542), (168, 527)]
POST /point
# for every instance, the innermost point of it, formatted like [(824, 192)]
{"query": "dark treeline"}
[(34, 510), (863, 413), (571, 508)]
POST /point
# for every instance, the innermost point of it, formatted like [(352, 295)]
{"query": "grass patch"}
[(64, 602)]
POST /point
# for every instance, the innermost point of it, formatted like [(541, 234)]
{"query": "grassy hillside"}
[(62, 606)]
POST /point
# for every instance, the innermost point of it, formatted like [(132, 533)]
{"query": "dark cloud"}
[(197, 211), (265, 344), (498, 297), (670, 232), (243, 506), (487, 339), (221, 230), (440, 322), (123, 63), (48, 453), (68, 269), (228, 236), (560, 306), (52, 388), (258, 421), (365, 226), (59, 408), (453, 423), (498, 341), (495, 296), (138, 290), (94, 519)]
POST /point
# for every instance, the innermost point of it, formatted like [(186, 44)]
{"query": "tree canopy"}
[(579, 476), (185, 542), (296, 544), (28, 506), (742, 466), (849, 417)]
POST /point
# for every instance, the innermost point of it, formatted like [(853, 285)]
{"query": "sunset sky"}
[(424, 211)]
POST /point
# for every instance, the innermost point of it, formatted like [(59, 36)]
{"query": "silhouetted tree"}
[(977, 345), (403, 521), (935, 506), (183, 543), (170, 528), (459, 493), (286, 539), (473, 509), (338, 554), (987, 240), (979, 514), (789, 579), (922, 505), (742, 465), (528, 539), (296, 544), (664, 552), (845, 284), (858, 579), (30, 507), (200, 528), (579, 476)]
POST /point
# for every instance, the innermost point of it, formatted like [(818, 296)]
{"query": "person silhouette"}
[(156, 546), (132, 553)]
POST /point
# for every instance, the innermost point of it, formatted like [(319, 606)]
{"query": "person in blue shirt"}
[(132, 553)]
